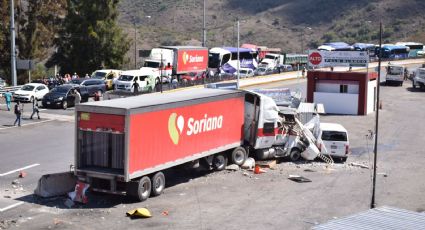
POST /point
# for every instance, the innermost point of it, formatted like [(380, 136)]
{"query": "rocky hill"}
[(292, 25)]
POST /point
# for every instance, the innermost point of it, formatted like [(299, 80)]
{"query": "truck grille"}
[(100, 149)]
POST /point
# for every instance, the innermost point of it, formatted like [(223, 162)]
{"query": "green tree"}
[(90, 38), (5, 39)]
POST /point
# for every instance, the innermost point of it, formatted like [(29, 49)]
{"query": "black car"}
[(61, 96), (93, 85)]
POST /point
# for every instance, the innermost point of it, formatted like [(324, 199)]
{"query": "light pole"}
[(12, 44), (237, 71), (135, 41), (204, 32), (302, 38)]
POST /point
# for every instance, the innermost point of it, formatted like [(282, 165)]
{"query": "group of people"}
[(18, 108)]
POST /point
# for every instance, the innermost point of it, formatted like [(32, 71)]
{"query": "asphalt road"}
[(227, 199)]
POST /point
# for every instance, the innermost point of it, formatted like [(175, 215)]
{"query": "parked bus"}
[(365, 47), (335, 46), (226, 58), (395, 51), (416, 48)]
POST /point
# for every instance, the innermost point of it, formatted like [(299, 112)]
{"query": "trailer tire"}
[(238, 156), (295, 155), (219, 162), (158, 183), (144, 188)]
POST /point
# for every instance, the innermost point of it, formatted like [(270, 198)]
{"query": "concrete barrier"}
[(56, 184)]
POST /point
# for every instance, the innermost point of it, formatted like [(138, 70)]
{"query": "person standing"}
[(8, 97), (77, 99), (35, 109), (135, 87), (18, 112)]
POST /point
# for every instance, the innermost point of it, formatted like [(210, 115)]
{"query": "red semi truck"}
[(123, 144)]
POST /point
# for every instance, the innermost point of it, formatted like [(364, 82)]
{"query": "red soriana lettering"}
[(315, 58)]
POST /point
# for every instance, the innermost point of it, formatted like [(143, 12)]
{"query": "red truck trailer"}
[(123, 144)]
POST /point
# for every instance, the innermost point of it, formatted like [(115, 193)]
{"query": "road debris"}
[(299, 179), (15, 182), (232, 167), (383, 174), (309, 170), (267, 164), (22, 174), (139, 212), (359, 165), (57, 184), (249, 164), (69, 203), (165, 213), (79, 194)]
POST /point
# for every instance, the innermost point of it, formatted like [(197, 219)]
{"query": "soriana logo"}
[(315, 58), (187, 58), (177, 126)]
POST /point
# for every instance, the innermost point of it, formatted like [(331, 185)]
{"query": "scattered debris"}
[(299, 179), (139, 212), (232, 167), (15, 182), (309, 170), (249, 164), (267, 164), (359, 165), (245, 174), (69, 203), (259, 170), (383, 174), (57, 184), (22, 174), (79, 194), (7, 197), (165, 213)]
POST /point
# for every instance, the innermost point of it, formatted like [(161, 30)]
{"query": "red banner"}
[(192, 60)]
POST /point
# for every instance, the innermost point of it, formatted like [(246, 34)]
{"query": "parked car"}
[(62, 96), (335, 140), (93, 85), (244, 72), (30, 92), (193, 77), (263, 71), (108, 75), (286, 68)]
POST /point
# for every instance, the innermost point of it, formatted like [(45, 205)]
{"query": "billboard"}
[(320, 59), (192, 60)]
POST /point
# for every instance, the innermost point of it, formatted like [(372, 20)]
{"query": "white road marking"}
[(11, 206), (20, 169), (26, 124)]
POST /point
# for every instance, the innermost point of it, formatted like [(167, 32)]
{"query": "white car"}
[(30, 92), (335, 140), (244, 72)]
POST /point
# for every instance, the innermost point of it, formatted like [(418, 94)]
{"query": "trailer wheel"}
[(295, 155), (144, 188), (158, 183), (219, 162), (238, 156)]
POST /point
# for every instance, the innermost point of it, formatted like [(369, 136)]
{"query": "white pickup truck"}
[(419, 78)]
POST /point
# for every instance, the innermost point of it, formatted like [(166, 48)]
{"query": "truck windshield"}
[(151, 64), (98, 75), (334, 136), (269, 57), (126, 78), (213, 60)]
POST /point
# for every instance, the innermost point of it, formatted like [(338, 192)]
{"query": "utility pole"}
[(375, 149), (12, 44), (239, 63), (204, 32), (135, 44)]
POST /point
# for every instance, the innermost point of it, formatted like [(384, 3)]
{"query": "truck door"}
[(252, 111)]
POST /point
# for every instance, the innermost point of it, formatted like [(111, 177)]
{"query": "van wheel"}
[(64, 105), (295, 155), (219, 162), (238, 156), (158, 183)]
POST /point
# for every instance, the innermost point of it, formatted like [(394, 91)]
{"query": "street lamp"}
[(135, 40), (302, 37)]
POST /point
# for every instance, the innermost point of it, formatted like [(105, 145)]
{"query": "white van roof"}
[(332, 127), (138, 72)]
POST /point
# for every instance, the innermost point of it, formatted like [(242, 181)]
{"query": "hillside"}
[(288, 24)]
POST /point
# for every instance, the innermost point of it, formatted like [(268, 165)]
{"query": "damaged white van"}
[(335, 141)]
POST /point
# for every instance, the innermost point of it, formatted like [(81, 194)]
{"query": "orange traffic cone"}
[(258, 170)]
